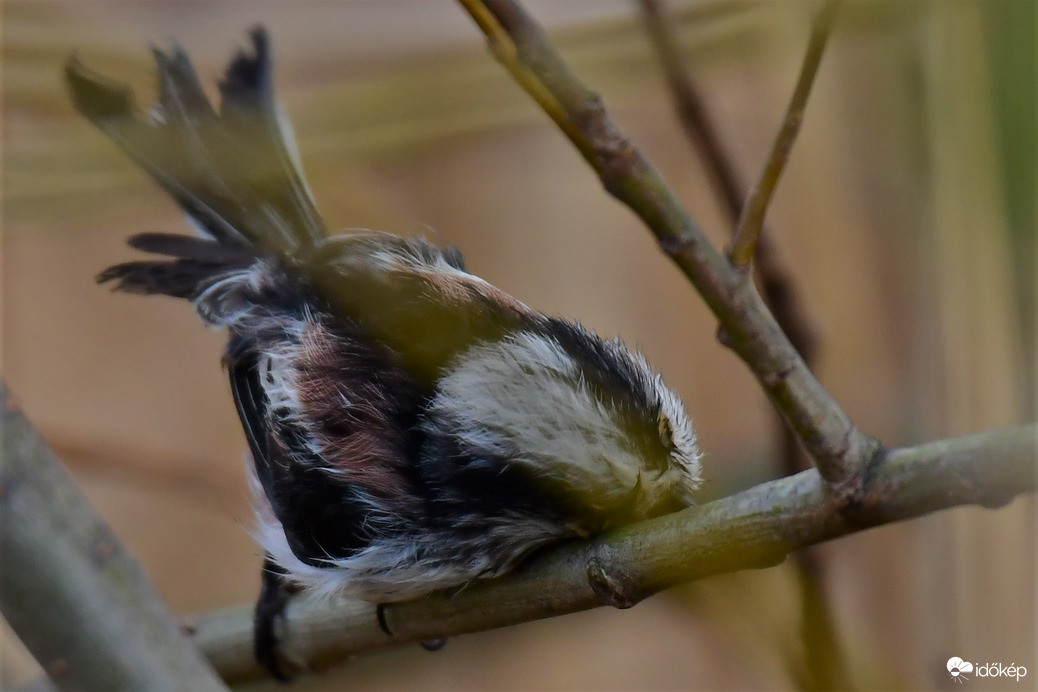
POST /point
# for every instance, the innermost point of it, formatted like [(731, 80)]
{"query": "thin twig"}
[(824, 666), (74, 595), (692, 111), (743, 243), (753, 529), (841, 451), (776, 285)]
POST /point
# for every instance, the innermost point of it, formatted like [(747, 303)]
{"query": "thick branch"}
[(840, 450), (752, 218), (73, 594), (755, 528)]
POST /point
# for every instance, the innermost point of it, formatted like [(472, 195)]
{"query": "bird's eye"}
[(666, 430)]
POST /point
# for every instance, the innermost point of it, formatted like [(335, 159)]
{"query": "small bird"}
[(412, 427)]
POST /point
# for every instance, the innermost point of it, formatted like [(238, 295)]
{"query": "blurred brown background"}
[(906, 215)]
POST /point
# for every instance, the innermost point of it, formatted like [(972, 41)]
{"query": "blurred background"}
[(906, 217)]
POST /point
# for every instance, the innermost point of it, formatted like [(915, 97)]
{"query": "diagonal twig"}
[(776, 284), (842, 453), (692, 111), (751, 220)]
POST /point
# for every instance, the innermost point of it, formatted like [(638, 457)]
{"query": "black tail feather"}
[(233, 172), (247, 104), (248, 82), (178, 278), (198, 262), (190, 247)]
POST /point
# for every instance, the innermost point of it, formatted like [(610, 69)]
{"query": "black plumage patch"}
[(608, 368), (322, 518), (611, 374), (247, 82)]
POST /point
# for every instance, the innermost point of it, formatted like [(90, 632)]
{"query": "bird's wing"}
[(413, 297)]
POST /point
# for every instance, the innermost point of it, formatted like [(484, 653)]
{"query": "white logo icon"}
[(957, 667)]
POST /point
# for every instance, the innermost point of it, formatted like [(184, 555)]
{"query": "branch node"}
[(612, 585), (777, 376), (57, 669), (676, 246), (102, 550), (724, 337), (859, 493), (614, 153)]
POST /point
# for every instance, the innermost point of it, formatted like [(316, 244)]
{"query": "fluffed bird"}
[(411, 427)]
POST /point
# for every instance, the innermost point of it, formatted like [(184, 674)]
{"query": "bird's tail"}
[(235, 171)]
